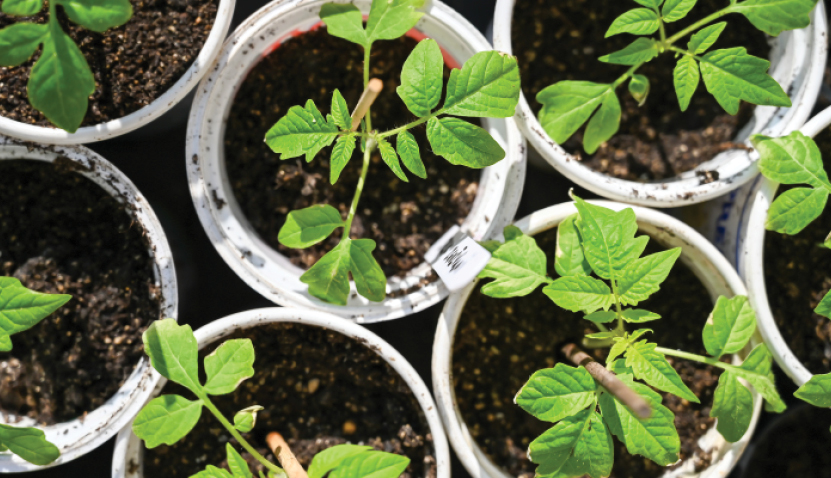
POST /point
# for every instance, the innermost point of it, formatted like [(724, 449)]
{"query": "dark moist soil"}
[(133, 64), (500, 343), (319, 389), (797, 276), (404, 219), (562, 40), (62, 233)]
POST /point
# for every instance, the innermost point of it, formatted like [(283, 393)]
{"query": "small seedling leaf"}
[(756, 370), (705, 38), (486, 86), (344, 20), (686, 77), (246, 419), (370, 280), (371, 464), (675, 10), (237, 465), (166, 420), (341, 154), (421, 78), (580, 293), (462, 143), (644, 276), (328, 279), (640, 21), (733, 407), (816, 391), (653, 368), (331, 458), (173, 352), (391, 19), (519, 267), (567, 105), (639, 316), (390, 157), (793, 210), (308, 226), (791, 159), (29, 444), (408, 150), (601, 317), (552, 394), (639, 51), (732, 75), (568, 258), (340, 111), (98, 15), (639, 88), (19, 41), (729, 327), (302, 131), (604, 124), (608, 238), (228, 365), (21, 308)]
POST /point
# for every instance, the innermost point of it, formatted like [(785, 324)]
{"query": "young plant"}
[(486, 86), (730, 75), (20, 310), (61, 81), (167, 419), (585, 410)]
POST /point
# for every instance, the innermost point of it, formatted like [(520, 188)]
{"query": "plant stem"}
[(407, 126), (694, 357), (358, 189), (695, 26)]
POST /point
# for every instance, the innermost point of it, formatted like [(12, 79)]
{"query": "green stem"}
[(631, 71), (694, 357), (663, 30), (695, 26), (358, 190), (407, 126)]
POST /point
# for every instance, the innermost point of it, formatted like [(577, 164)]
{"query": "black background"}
[(154, 158)]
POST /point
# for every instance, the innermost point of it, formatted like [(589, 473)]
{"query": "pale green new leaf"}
[(246, 419), (22, 8), (237, 465), (639, 88), (729, 327), (519, 266), (173, 352), (654, 369), (308, 226), (824, 307), (372, 464), (228, 365), (675, 10), (341, 154), (29, 444), (344, 20), (685, 77), (608, 238), (816, 391), (604, 124), (19, 41), (390, 157), (637, 52), (21, 308), (643, 277), (775, 16), (579, 445), (421, 78), (705, 38), (580, 293), (567, 105), (391, 19), (619, 367), (791, 159), (98, 15), (407, 148), (732, 75), (733, 407), (623, 343), (793, 210), (640, 21), (302, 131), (568, 256), (639, 316), (552, 394), (166, 420), (330, 458), (602, 317), (340, 111), (486, 86), (462, 143)]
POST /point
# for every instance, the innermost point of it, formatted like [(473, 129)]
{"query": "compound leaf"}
[(608, 238), (328, 279), (308, 226)]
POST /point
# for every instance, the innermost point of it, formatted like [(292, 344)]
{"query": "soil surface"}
[(797, 276), (500, 343), (319, 389), (133, 64), (62, 233), (563, 40), (404, 219)]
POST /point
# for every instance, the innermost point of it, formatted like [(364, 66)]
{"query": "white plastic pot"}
[(739, 229), (797, 63), (266, 270), (715, 273), (128, 460), (143, 116), (82, 435)]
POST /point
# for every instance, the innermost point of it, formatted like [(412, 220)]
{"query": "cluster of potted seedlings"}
[(647, 353)]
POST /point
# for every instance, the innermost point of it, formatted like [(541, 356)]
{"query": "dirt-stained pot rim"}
[(128, 447), (797, 63), (117, 127), (82, 435), (258, 264), (714, 271)]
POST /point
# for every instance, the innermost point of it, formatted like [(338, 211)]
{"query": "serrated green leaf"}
[(173, 352), (602, 335), (653, 368), (344, 20), (246, 419), (22, 8), (579, 445), (580, 293), (228, 365), (816, 391), (704, 39), (637, 52), (732, 75), (601, 317), (685, 77), (619, 367), (462, 143), (341, 154), (775, 16), (211, 471), (643, 277), (640, 21), (166, 420), (655, 437), (407, 148), (302, 131), (330, 458), (390, 157), (733, 407), (340, 111), (552, 394), (19, 41), (486, 86), (237, 465), (623, 343), (729, 327), (21, 308), (391, 19), (29, 444), (675, 10), (824, 307), (519, 267), (371, 464), (421, 78), (756, 370), (791, 159), (308, 226), (98, 15), (328, 279), (608, 238), (793, 210), (639, 88), (604, 124), (568, 257), (567, 105)]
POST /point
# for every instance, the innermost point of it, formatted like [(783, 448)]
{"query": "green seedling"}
[(486, 86), (730, 75), (602, 275), (20, 310), (61, 81), (167, 419)]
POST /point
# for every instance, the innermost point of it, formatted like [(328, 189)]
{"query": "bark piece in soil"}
[(62, 233), (319, 388), (563, 40), (133, 64), (797, 277), (499, 343), (404, 219)]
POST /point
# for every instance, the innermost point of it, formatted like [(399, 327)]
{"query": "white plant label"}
[(457, 259)]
